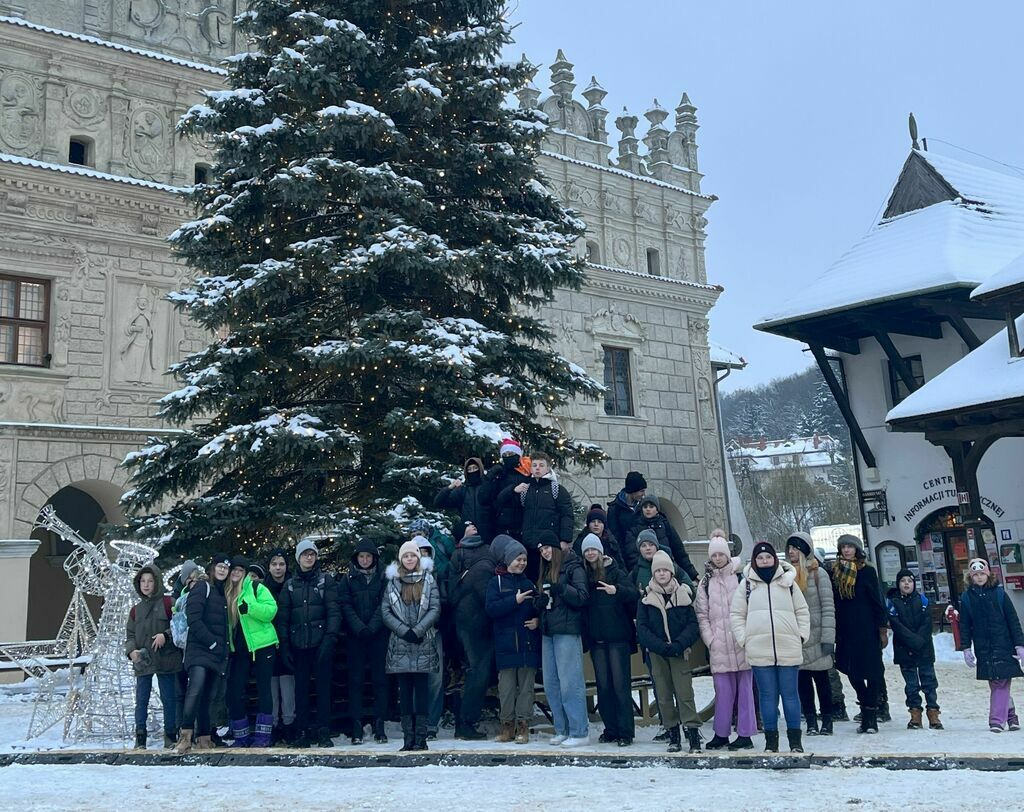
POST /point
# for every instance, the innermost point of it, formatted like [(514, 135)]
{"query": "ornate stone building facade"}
[(90, 91)]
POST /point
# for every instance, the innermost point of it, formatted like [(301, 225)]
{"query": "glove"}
[(243, 608), (970, 659), (540, 602), (828, 649), (409, 636), (557, 589), (1020, 653)]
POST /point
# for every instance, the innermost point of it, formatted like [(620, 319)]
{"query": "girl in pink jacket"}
[(734, 683)]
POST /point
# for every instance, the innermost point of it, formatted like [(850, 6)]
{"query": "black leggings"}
[(238, 681), (196, 707), (412, 694), (807, 683)]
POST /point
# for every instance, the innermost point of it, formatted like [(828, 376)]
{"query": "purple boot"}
[(243, 736), (264, 728)]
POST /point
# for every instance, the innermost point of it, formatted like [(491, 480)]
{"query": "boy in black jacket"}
[(913, 649)]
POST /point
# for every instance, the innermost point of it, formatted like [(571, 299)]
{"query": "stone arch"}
[(677, 510), (98, 475)]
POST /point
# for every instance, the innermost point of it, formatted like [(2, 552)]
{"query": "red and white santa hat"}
[(510, 446)]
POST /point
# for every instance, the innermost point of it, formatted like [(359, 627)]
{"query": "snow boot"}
[(795, 745), (507, 733), (522, 732), (717, 743), (826, 725), (323, 737), (624, 741), (839, 713), (741, 743), (357, 732), (812, 724), (379, 735), (915, 719), (883, 713), (204, 743), (408, 734), (241, 733), (140, 738), (184, 741), (469, 733), (693, 737), (771, 741), (169, 741), (674, 741), (664, 736), (420, 734), (606, 738), (934, 722), (868, 720), (264, 730)]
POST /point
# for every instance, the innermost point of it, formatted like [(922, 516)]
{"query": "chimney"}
[(817, 440), (762, 443)]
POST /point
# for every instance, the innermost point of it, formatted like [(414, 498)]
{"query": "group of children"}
[(531, 597)]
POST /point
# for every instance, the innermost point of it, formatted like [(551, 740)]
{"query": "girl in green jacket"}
[(253, 642)]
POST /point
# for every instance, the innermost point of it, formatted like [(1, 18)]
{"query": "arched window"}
[(593, 252), (201, 173), (653, 262)]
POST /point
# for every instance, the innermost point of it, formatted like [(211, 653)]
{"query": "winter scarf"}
[(660, 597), (845, 575)]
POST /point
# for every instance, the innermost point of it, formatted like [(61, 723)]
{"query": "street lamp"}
[(878, 513)]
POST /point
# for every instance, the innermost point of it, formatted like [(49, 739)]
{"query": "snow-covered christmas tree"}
[(371, 256)]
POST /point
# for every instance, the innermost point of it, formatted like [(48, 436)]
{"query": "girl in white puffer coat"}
[(770, 620), (734, 681)]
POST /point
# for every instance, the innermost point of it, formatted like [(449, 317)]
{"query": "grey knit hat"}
[(306, 544), (512, 551), (591, 542), (846, 538), (646, 537), (650, 499), (187, 570)]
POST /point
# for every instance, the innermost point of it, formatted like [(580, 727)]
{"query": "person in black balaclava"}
[(470, 498)]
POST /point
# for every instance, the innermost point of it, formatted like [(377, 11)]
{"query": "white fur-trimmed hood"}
[(426, 565)]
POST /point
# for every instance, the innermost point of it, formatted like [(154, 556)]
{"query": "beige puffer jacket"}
[(772, 623)]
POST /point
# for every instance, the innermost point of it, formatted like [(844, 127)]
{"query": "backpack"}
[(179, 623)]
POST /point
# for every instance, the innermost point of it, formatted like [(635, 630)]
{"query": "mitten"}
[(243, 608)]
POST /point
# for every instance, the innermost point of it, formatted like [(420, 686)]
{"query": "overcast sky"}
[(803, 110)]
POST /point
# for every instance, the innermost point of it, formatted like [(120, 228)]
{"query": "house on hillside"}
[(815, 457), (894, 312)]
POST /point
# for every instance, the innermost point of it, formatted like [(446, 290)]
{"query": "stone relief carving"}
[(610, 202), (200, 26), (622, 251), (84, 106), (136, 350), (709, 444), (574, 193), (39, 401), (679, 264), (145, 146), (610, 326), (642, 210), (20, 117), (677, 219)]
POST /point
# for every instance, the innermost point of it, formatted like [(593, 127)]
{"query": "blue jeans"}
[(920, 679), (435, 690), (564, 687), (773, 681), (167, 684)]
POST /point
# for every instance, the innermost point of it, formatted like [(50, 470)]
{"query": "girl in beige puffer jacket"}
[(770, 620)]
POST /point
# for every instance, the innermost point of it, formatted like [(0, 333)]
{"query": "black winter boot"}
[(839, 713), (169, 741), (140, 738), (469, 733), (693, 737), (883, 712), (663, 736), (323, 737), (379, 735), (420, 733), (357, 731), (717, 743), (812, 724), (408, 734), (826, 725), (794, 734), (771, 741), (674, 741), (741, 743), (868, 720)]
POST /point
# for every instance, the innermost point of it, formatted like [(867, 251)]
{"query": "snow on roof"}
[(1011, 276), (683, 282), (809, 452), (950, 244), (986, 375), (86, 172), (616, 171), (117, 46), (723, 357)]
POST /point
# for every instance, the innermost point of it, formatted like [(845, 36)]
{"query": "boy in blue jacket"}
[(913, 649)]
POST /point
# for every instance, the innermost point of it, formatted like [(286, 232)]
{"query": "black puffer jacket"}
[(207, 614), (684, 631), (667, 537), (621, 515), (989, 623), (472, 501), (911, 623), (360, 593), (565, 614), (546, 506), (508, 515), (469, 574), (311, 610), (609, 618)]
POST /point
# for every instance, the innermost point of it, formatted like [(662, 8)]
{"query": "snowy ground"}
[(964, 701)]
